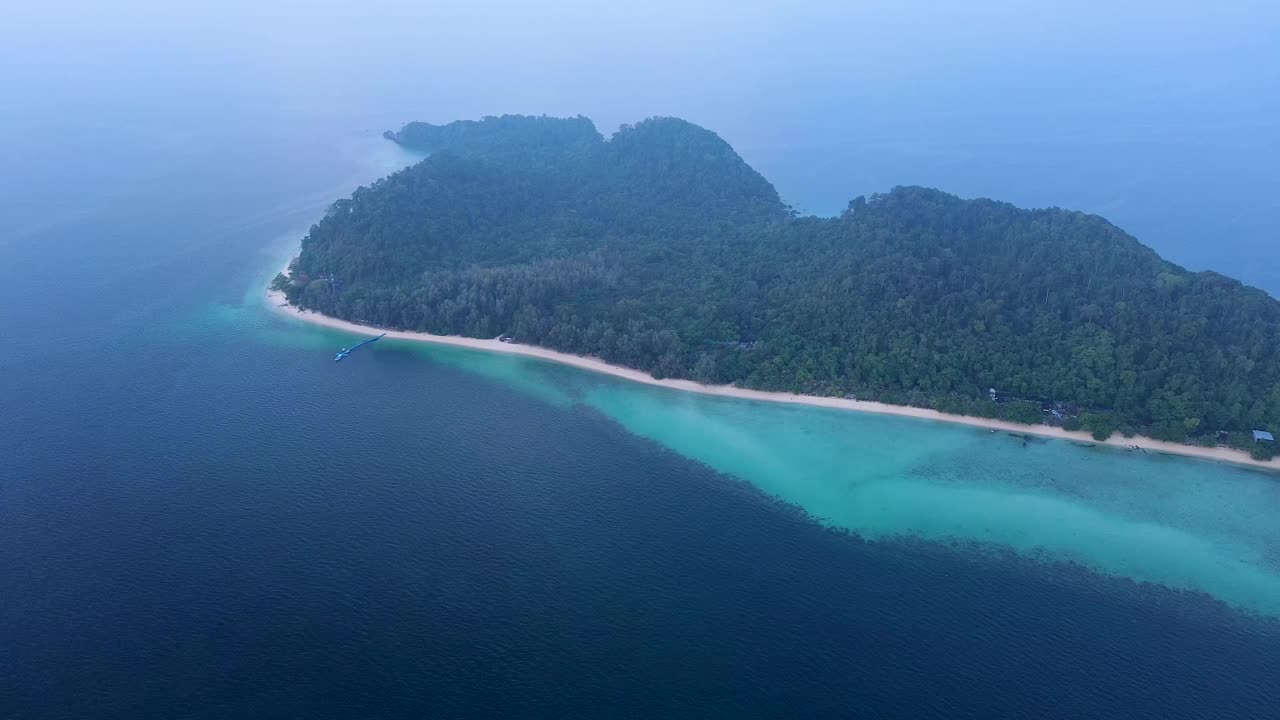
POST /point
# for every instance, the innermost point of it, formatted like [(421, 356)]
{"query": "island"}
[(660, 250)]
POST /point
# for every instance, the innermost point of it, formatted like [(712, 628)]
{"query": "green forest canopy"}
[(661, 249)]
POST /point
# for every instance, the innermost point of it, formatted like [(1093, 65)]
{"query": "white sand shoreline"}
[(276, 301)]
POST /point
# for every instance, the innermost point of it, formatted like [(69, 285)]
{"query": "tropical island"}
[(660, 249)]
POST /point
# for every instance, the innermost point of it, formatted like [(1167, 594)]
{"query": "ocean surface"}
[(203, 516)]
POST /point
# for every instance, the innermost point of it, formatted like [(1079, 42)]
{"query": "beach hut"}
[(1261, 436)]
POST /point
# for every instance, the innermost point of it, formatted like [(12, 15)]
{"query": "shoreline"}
[(276, 302)]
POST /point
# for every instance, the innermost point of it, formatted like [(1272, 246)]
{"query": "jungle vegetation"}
[(659, 248)]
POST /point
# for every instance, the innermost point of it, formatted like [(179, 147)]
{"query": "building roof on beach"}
[(1259, 435)]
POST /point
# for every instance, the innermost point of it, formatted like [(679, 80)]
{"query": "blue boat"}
[(347, 351)]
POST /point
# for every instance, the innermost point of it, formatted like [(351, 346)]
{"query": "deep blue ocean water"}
[(203, 516)]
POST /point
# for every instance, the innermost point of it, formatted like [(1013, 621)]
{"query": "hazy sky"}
[(1137, 110), (620, 61)]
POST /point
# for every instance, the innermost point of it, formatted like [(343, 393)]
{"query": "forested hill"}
[(511, 138), (661, 249)]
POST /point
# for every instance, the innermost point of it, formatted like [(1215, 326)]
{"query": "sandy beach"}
[(277, 302)]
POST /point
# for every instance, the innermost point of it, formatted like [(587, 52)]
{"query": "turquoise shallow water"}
[(1183, 524)]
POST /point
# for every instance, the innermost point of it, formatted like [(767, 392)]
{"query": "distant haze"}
[(1159, 116)]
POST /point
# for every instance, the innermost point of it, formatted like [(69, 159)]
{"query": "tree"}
[(1101, 425)]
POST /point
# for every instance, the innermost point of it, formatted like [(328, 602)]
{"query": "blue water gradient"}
[(1182, 524), (203, 516)]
